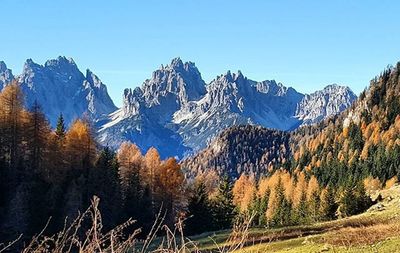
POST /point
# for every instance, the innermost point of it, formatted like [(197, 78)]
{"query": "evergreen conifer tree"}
[(199, 211)]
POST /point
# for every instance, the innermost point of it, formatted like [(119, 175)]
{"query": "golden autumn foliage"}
[(345, 132), (170, 179), (163, 178), (152, 163), (243, 191), (12, 119), (301, 187), (389, 183), (372, 184), (312, 187), (130, 161), (80, 145)]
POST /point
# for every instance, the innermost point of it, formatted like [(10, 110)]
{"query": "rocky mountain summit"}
[(178, 113), (324, 103), (60, 87), (6, 75)]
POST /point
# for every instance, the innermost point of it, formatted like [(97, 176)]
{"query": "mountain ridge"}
[(60, 87), (190, 112), (174, 110)]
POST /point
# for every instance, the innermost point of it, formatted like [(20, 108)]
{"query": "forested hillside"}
[(317, 172), (55, 173), (363, 142), (248, 149)]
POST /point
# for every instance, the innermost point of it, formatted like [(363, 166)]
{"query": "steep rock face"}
[(232, 99), (324, 103), (147, 112), (6, 75), (176, 112), (170, 89), (60, 87)]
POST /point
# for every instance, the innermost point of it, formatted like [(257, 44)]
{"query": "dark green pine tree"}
[(361, 198), (328, 205), (199, 211), (283, 213), (223, 208), (60, 128), (302, 214), (347, 204), (254, 209), (354, 200), (262, 219), (104, 183), (314, 206)]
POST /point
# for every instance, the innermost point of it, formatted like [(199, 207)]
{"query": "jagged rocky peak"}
[(3, 66), (66, 67), (99, 102), (178, 65), (227, 91), (324, 103), (61, 62), (169, 89), (94, 80), (337, 89), (6, 75), (274, 88), (30, 65), (229, 81), (183, 80), (176, 105), (131, 101), (60, 87), (59, 71), (230, 77)]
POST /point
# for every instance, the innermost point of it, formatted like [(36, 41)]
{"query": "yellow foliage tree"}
[(301, 187), (312, 187), (152, 164), (130, 161), (80, 145), (243, 191), (12, 118), (389, 183), (372, 184)]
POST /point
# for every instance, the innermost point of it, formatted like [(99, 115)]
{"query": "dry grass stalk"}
[(363, 235), (75, 238)]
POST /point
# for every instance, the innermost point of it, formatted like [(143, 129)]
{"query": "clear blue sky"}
[(304, 44)]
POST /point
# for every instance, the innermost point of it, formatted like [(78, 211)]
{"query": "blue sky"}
[(303, 44)]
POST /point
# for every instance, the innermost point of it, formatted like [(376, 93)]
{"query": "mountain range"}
[(175, 110)]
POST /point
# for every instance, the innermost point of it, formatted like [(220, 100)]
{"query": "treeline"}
[(296, 198), (54, 173), (282, 199)]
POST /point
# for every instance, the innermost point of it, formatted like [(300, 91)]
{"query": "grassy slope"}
[(377, 230)]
